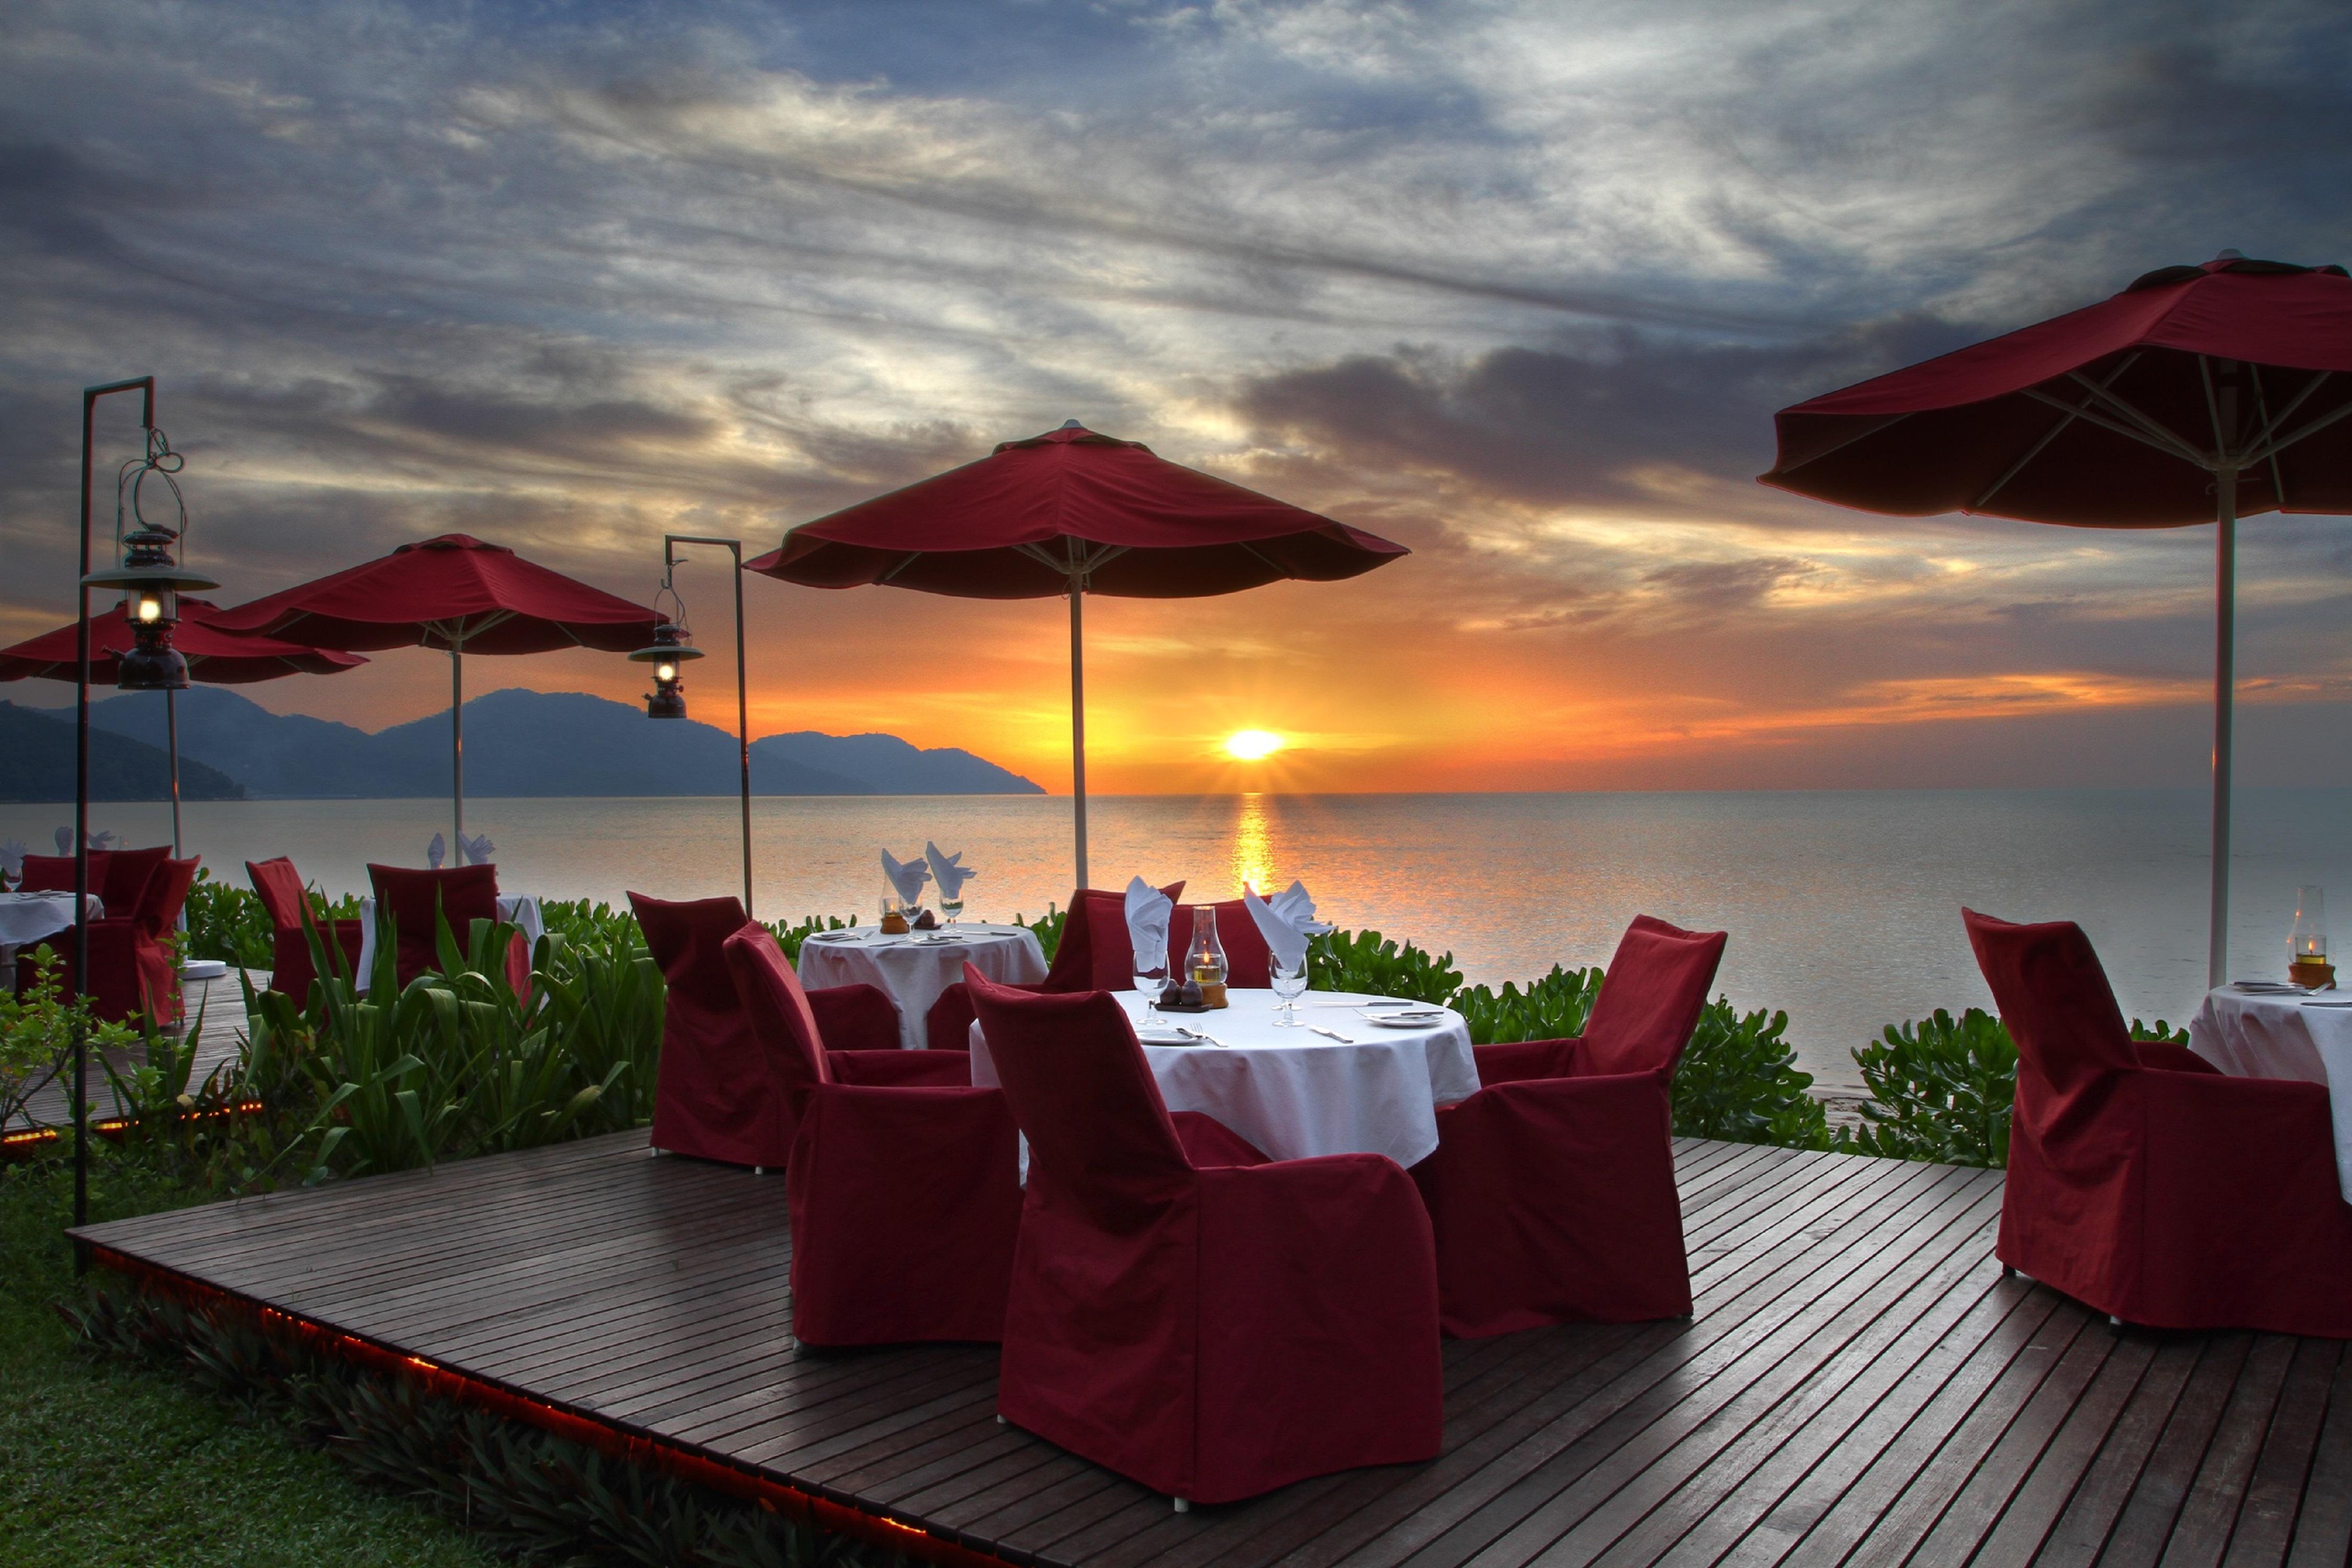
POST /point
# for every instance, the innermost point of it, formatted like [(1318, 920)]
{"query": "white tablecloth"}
[(26, 919), (912, 970), (1294, 1093), (518, 910), (2306, 1038)]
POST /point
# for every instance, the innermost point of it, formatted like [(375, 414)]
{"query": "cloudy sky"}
[(1519, 285)]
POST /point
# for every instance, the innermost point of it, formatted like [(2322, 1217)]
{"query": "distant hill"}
[(36, 762), (532, 743)]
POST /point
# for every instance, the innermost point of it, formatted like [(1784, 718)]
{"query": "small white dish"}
[(1421, 1018)]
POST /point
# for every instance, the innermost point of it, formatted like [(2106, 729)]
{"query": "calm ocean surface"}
[(1842, 906)]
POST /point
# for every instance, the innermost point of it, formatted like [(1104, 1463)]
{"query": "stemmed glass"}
[(1289, 982), (1150, 974), (951, 904)]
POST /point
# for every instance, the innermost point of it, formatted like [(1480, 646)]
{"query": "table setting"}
[(912, 961), (2299, 1028)]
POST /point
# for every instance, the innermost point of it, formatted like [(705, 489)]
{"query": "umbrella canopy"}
[(214, 656), (1073, 513), (457, 593), (2198, 393)]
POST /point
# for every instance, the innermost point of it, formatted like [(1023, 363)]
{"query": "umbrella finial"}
[(1072, 425), (2228, 253)]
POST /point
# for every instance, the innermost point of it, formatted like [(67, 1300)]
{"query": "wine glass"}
[(951, 904), (1289, 980), (1150, 974)]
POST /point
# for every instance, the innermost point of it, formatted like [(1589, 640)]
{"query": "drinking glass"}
[(1289, 984), (951, 904), (1150, 974)]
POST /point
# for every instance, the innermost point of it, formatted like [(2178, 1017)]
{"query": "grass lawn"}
[(103, 1462)]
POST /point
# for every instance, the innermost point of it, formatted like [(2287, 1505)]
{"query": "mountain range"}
[(517, 743)]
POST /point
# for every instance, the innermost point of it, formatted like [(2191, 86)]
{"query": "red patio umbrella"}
[(452, 593), (2198, 393), (1073, 512), (214, 656)]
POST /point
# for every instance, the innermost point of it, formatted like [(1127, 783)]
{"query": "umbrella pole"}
[(457, 742), (2225, 601), (1078, 721), (172, 739)]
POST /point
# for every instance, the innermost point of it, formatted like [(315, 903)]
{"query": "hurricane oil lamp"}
[(1204, 961), (2306, 945)]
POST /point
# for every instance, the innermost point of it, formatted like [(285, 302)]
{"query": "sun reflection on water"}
[(1252, 844)]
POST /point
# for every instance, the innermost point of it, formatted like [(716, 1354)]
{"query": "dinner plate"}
[(2267, 987), (1419, 1019)]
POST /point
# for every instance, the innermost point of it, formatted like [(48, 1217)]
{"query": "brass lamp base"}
[(2312, 974)]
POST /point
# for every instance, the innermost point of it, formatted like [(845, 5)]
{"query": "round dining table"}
[(2305, 1035), (26, 919), (913, 969), (1340, 1083)]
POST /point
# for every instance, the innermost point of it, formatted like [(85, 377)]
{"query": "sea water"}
[(1843, 906)]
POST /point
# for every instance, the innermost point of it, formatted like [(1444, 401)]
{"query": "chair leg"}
[(1183, 1505)]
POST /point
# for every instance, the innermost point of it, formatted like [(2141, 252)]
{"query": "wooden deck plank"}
[(1859, 1382)]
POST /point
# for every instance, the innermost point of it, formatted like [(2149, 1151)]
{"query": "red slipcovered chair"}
[(1553, 1190), (1249, 963), (461, 895), (1095, 955), (1202, 1321), (906, 1198), (289, 904), (716, 1096), (131, 969), (2176, 1199)]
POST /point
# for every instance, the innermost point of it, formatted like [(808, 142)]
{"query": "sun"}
[(1251, 745)]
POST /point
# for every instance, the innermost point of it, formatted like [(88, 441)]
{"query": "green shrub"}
[(792, 936), (36, 1030), (1552, 1008), (1739, 1082), (1371, 964), (1941, 1089), (227, 922)]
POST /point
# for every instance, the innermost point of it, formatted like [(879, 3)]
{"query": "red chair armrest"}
[(1210, 1142), (902, 1068), (856, 1017), (1515, 1061), (2166, 1056)]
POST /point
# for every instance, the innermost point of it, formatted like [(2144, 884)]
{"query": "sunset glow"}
[(1252, 745)]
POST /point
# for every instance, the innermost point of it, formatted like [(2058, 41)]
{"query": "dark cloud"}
[(1552, 426)]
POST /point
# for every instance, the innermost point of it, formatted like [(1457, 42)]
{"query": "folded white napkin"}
[(436, 852), (1293, 905), (64, 841), (1279, 923), (101, 841), (477, 849), (1149, 911), (908, 878), (947, 869)]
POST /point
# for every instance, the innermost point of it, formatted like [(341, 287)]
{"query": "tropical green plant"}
[(227, 922), (1369, 964), (1941, 1089), (1738, 1082), (798, 931), (1551, 1008), (459, 1062), (37, 1031)]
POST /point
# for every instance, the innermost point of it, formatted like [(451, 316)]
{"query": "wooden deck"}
[(1861, 1384)]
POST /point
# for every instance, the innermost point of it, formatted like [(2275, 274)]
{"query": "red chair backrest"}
[(1249, 963), (466, 894), (688, 938), (166, 891), (118, 877), (2054, 998), (1095, 953), (1081, 1091), (1651, 996), (280, 889), (771, 993)]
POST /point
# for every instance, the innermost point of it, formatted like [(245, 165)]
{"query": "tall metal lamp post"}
[(150, 582), (670, 648)]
